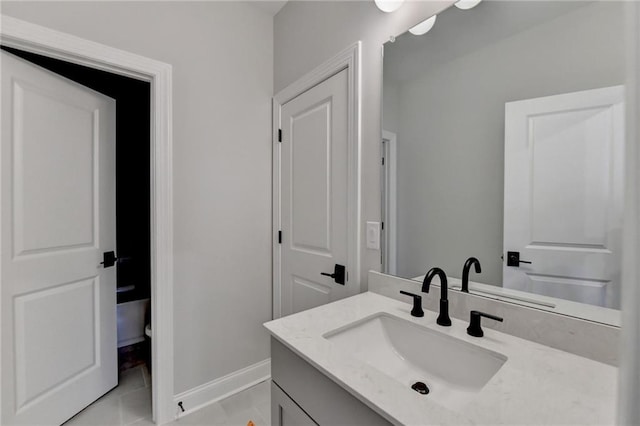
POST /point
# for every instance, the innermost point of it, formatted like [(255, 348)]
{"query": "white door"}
[(563, 195), (313, 194), (58, 217)]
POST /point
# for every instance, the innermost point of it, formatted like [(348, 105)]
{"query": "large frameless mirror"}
[(503, 140)]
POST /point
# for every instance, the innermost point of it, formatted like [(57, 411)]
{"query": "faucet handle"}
[(475, 329), (417, 304)]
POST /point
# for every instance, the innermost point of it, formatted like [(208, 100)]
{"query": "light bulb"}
[(466, 4), (389, 5), (424, 26)]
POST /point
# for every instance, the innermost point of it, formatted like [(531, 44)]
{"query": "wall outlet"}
[(373, 235)]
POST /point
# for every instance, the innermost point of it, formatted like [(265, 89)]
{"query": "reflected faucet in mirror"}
[(443, 318), (472, 261)]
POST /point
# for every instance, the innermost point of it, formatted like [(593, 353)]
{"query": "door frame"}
[(390, 207), (34, 38), (348, 59), (629, 372)]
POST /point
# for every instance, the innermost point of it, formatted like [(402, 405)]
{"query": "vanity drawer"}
[(285, 411)]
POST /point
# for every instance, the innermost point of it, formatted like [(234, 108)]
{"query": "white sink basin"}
[(453, 370)]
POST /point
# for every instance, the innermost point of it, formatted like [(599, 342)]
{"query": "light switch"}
[(373, 235)]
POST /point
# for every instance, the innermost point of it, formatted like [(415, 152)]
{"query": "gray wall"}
[(307, 33), (222, 57), (451, 132), (390, 106)]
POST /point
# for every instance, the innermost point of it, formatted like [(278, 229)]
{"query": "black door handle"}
[(513, 259), (339, 274), (108, 259)]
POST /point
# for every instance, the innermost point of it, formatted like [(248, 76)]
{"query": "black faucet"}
[(417, 304), (465, 272), (443, 318), (474, 328)]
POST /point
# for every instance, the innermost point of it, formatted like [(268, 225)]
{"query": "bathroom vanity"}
[(354, 361), (302, 395)]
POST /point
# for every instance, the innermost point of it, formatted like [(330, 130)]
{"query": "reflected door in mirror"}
[(563, 196)]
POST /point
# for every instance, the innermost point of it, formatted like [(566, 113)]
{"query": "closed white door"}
[(563, 196), (58, 217), (313, 194)]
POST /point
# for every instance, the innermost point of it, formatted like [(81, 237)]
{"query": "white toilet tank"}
[(131, 321)]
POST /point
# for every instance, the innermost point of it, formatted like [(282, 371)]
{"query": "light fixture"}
[(389, 5), (424, 26), (466, 4)]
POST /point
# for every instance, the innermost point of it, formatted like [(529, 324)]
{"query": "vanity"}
[(354, 362)]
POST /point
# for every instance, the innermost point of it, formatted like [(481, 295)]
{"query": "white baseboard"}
[(208, 393)]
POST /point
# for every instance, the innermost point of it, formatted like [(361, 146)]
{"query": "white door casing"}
[(306, 240), (390, 202), (45, 41), (563, 196), (628, 412), (58, 217)]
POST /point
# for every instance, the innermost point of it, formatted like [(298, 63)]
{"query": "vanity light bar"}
[(424, 26), (389, 5), (467, 4)]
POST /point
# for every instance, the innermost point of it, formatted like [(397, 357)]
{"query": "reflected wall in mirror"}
[(503, 131)]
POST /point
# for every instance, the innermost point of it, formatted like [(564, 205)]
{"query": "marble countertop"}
[(537, 385)]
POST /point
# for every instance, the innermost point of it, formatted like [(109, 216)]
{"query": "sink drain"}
[(420, 387)]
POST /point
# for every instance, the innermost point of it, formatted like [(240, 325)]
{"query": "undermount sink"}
[(453, 370)]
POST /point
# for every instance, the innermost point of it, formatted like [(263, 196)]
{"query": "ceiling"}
[(272, 7)]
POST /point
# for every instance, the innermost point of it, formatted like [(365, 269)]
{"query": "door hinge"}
[(279, 237), (383, 161), (279, 135), (382, 224)]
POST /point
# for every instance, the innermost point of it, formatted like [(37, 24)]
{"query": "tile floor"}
[(251, 404), (130, 404)]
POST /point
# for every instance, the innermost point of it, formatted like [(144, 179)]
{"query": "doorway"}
[(389, 202), (37, 39), (316, 186), (132, 233)]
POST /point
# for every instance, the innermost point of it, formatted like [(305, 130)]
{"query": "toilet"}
[(131, 317), (147, 339)]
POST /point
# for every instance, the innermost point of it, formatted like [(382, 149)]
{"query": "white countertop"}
[(537, 385)]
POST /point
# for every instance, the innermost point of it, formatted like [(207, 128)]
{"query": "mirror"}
[(503, 140)]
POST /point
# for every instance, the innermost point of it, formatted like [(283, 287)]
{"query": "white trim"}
[(208, 393), (276, 252), (348, 59), (34, 38), (391, 203), (629, 372)]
